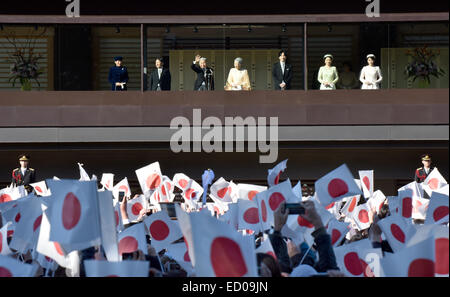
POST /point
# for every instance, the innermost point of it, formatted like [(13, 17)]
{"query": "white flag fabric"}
[(186, 228), (107, 181), (4, 248), (122, 186), (179, 253), (10, 267), (74, 214), (135, 205), (132, 239), (273, 176), (41, 188), (348, 258), (376, 201), (83, 174), (406, 204), (165, 190), (266, 247), (118, 217), (248, 191), (191, 193), (249, 216), (396, 231), (221, 251), (163, 231), (9, 194), (297, 189), (181, 180), (231, 216), (149, 177), (394, 204), (337, 231), (350, 205), (265, 218), (420, 206), (366, 178), (222, 190), (108, 226), (437, 212), (116, 269), (336, 185), (361, 216), (434, 181), (415, 187), (278, 194)]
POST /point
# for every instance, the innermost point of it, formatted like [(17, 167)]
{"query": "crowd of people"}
[(308, 247)]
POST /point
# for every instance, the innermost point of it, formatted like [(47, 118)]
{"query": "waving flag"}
[(266, 247), (10, 267), (163, 231), (134, 207), (420, 206), (265, 218), (149, 177), (366, 178), (249, 216), (434, 181), (337, 231), (122, 186), (350, 205), (181, 180), (107, 181), (396, 231), (273, 176), (41, 188), (221, 190), (4, 248), (83, 174), (118, 216), (132, 239), (116, 269), (165, 190), (108, 226), (186, 228), (376, 201), (336, 185), (350, 258), (437, 212), (192, 192), (361, 216), (231, 216), (178, 251), (247, 191)]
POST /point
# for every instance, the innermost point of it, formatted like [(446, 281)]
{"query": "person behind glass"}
[(24, 176), (370, 75), (328, 75), (238, 78), (118, 75), (347, 78), (205, 78), (160, 77), (282, 73)]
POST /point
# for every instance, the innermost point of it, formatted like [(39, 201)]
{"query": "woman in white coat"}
[(370, 75)]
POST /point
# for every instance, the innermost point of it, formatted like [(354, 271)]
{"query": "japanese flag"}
[(122, 186), (434, 181), (116, 269), (74, 214), (350, 205), (181, 180), (297, 189), (248, 191), (366, 178), (4, 248), (351, 258), (336, 185), (192, 192), (163, 231), (132, 239), (420, 206), (9, 194), (413, 261), (231, 216), (10, 267), (266, 247), (221, 251), (221, 189), (179, 253), (406, 204), (249, 217), (299, 225), (108, 226), (396, 231), (135, 205), (149, 177), (376, 201), (437, 212), (273, 176), (118, 217), (234, 193), (165, 190), (278, 194), (83, 174), (416, 188), (265, 218), (186, 228), (107, 181), (394, 204), (337, 231), (361, 216), (41, 188)]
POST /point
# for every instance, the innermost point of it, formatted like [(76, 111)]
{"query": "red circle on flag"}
[(406, 207), (189, 193), (183, 183), (421, 268), (366, 269), (330, 205), (153, 181), (165, 189), (440, 212), (222, 192), (58, 248), (9, 233), (275, 200), (397, 233), (353, 264), (136, 208), (304, 222), (1, 242), (441, 247), (17, 218), (433, 183), (5, 198), (159, 230), (38, 189), (263, 211), (363, 216), (4, 272), (37, 223), (251, 215), (277, 178), (335, 235), (124, 188), (71, 211), (252, 194), (366, 181), (352, 205), (116, 215), (186, 257), (128, 244), (337, 187), (226, 258)]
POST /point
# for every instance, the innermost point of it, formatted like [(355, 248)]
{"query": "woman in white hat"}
[(370, 75), (328, 75)]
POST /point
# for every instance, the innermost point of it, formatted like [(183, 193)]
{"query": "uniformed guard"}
[(24, 176), (118, 75), (424, 171)]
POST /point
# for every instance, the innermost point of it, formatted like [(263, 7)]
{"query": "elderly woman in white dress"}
[(370, 75), (328, 75), (238, 78)]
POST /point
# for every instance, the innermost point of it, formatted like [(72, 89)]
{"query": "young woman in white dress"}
[(370, 75), (238, 78), (328, 75)]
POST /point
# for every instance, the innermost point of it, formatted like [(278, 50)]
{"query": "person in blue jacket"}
[(118, 75)]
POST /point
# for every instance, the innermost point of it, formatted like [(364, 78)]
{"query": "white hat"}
[(303, 270), (370, 56), (328, 56)]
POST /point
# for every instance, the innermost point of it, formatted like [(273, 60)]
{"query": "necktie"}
[(282, 68), (159, 72)]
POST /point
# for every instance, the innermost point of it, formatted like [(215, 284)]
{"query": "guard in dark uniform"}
[(24, 176), (424, 171), (118, 75)]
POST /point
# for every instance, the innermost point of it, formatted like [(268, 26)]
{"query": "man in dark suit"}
[(205, 78), (160, 77), (24, 176), (282, 73)]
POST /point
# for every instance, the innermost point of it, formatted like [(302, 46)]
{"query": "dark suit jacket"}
[(201, 77), (164, 81), (278, 76), (19, 179)]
